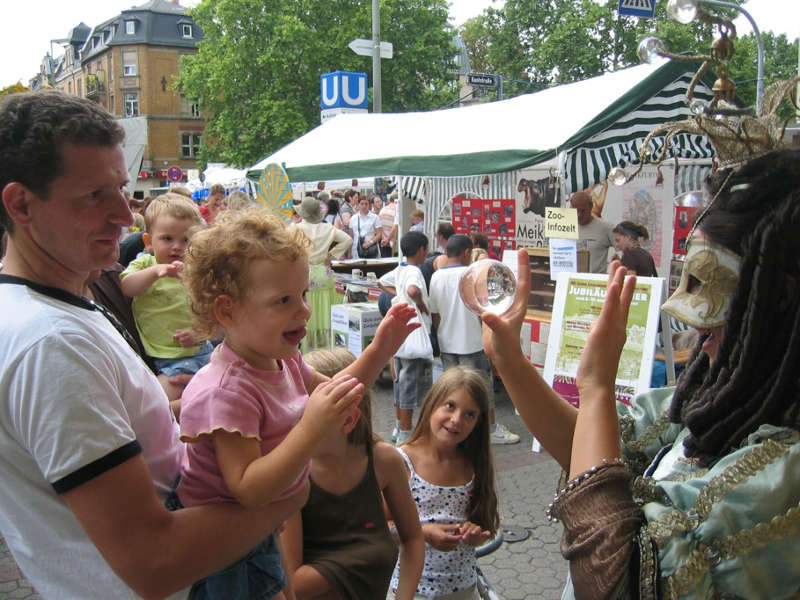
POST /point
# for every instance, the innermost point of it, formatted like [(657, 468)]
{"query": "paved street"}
[(530, 569)]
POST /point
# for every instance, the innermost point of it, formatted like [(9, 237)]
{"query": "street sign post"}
[(480, 80), (363, 47)]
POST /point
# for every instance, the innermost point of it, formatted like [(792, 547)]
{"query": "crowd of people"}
[(115, 487)]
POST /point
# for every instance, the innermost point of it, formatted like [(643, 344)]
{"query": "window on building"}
[(186, 31), (190, 145), (130, 27), (69, 87), (189, 108), (106, 35), (131, 104), (129, 64), (79, 88)]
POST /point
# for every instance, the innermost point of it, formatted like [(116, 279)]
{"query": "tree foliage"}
[(14, 88), (256, 73), (546, 42)]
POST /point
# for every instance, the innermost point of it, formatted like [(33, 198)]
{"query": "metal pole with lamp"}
[(685, 11)]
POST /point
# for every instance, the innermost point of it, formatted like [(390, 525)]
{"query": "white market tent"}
[(584, 128)]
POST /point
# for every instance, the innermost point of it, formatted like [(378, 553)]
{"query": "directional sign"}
[(364, 47), (638, 8), (479, 80)]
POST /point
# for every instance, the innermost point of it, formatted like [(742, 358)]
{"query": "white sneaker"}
[(501, 435)]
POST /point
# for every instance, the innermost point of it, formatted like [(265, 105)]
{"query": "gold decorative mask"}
[(717, 270)]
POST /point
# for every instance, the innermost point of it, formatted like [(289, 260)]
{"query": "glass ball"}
[(649, 49), (488, 285), (618, 176), (682, 11), (697, 106)]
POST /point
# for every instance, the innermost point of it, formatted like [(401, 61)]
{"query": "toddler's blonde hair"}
[(218, 257)]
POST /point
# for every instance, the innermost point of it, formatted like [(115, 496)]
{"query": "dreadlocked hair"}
[(754, 379)]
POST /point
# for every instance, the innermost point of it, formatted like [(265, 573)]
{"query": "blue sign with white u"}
[(343, 89)]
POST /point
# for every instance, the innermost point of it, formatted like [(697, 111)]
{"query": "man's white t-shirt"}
[(459, 329), (77, 401)]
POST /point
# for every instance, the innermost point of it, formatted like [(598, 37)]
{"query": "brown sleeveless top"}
[(346, 538)]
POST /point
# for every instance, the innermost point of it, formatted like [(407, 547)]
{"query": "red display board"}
[(495, 218)]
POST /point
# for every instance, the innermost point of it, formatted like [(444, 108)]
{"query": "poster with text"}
[(578, 301), (537, 189)]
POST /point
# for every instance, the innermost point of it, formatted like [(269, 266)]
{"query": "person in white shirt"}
[(459, 329), (366, 228), (89, 448), (594, 234)]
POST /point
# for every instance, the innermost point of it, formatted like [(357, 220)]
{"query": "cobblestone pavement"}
[(530, 569)]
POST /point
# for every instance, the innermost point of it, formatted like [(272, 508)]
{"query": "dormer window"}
[(106, 35), (130, 27), (95, 41), (186, 31)]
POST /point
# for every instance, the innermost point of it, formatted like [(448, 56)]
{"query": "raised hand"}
[(394, 328), (501, 332), (600, 358), (330, 404)]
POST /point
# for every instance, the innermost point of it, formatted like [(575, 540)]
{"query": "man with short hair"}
[(88, 448), (594, 234), (458, 328)]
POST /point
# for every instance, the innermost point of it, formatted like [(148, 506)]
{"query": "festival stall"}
[(496, 167)]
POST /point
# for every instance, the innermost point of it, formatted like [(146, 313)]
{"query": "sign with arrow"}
[(363, 47)]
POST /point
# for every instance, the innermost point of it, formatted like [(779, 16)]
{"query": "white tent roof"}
[(485, 138)]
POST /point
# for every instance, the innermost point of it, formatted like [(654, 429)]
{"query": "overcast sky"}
[(27, 26)]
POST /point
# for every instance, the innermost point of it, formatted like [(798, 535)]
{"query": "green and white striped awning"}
[(620, 143)]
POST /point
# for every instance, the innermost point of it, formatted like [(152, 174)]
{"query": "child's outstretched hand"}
[(472, 534), (442, 537), (394, 328), (330, 404), (172, 269)]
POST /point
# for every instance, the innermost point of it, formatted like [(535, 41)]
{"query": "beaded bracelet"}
[(576, 481)]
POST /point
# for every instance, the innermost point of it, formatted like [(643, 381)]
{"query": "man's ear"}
[(17, 202), (223, 310)]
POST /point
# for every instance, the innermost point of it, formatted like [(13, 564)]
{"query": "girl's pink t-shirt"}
[(231, 395)]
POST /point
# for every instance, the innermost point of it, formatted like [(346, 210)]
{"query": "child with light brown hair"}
[(160, 305), (250, 424), (340, 542)]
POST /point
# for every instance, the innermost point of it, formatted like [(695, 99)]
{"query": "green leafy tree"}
[(14, 88), (780, 62), (546, 42), (256, 72)]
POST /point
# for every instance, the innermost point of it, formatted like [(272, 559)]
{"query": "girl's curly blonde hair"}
[(217, 258)]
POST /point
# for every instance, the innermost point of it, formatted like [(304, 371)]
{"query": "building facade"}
[(129, 64)]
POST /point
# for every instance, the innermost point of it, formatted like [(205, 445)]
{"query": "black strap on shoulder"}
[(72, 299)]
